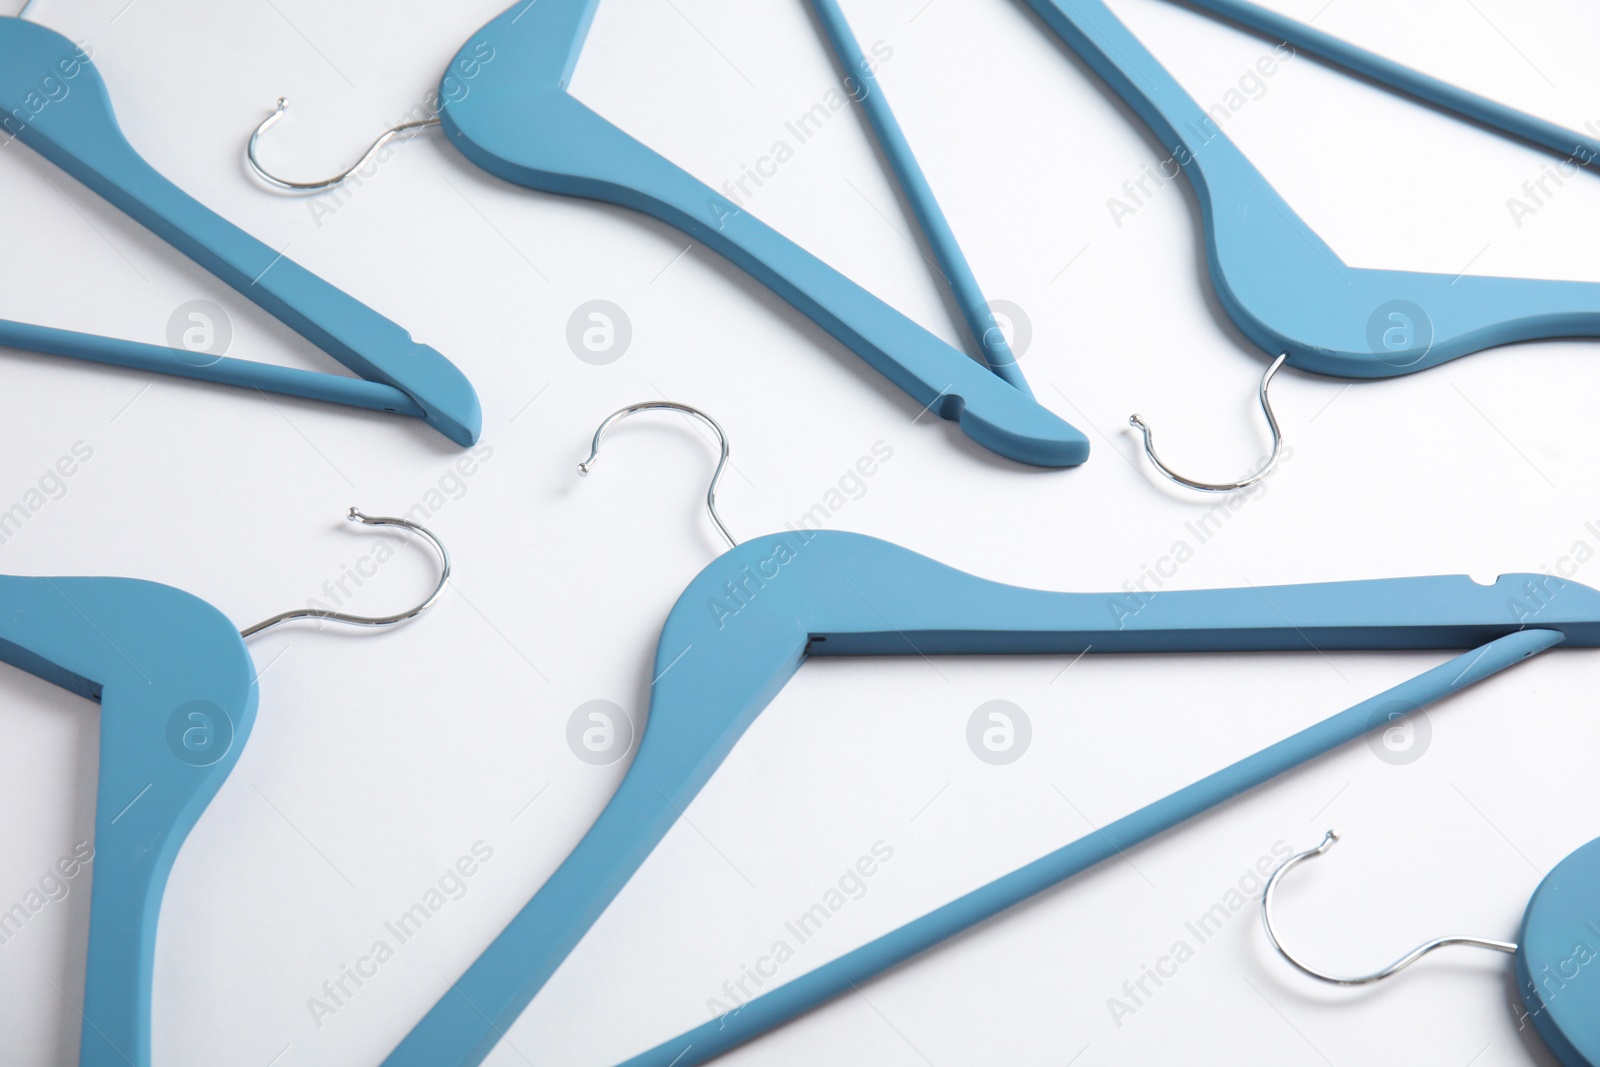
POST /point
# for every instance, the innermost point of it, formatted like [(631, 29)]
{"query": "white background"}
[(378, 760)]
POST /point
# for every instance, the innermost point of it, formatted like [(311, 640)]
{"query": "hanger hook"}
[(356, 515), (1225, 487), (1328, 841), (668, 405), (306, 187), (25, 5)]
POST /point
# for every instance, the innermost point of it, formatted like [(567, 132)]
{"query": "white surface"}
[(377, 761)]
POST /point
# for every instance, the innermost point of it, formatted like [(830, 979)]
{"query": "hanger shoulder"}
[(177, 690), (702, 701), (855, 595), (519, 123), (53, 100)]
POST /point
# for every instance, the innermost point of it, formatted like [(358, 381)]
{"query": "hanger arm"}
[(794, 998), (520, 124), (177, 690), (669, 769), (72, 125), (285, 381), (861, 84), (743, 627), (469, 1020), (1387, 72)]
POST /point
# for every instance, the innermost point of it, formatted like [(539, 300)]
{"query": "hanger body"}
[(177, 695), (177, 691), (53, 100), (845, 973), (860, 79), (754, 615), (1279, 281), (520, 124)]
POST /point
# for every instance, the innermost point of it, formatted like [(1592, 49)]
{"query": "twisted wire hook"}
[(356, 515), (1224, 487), (668, 405), (1328, 841), (306, 187)]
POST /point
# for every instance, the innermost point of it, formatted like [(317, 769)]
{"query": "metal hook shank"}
[(1224, 487), (1396, 967), (356, 515), (668, 405), (306, 187)]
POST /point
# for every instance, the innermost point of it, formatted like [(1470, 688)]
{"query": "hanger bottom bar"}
[(223, 370)]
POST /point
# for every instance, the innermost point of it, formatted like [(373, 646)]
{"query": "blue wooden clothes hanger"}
[(177, 690), (1280, 282), (520, 124), (1560, 938), (750, 619), (53, 100)]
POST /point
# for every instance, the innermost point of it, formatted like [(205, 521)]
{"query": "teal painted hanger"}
[(844, 974), (505, 106), (53, 100), (1280, 282), (1277, 278), (748, 622), (178, 696)]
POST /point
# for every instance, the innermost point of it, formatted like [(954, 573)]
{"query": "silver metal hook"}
[(306, 187), (1224, 487), (356, 515), (1328, 841), (24, 12), (668, 405)]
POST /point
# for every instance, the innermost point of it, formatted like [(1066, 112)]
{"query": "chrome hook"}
[(24, 12), (1328, 841), (668, 405), (306, 187), (1225, 487), (356, 515)]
